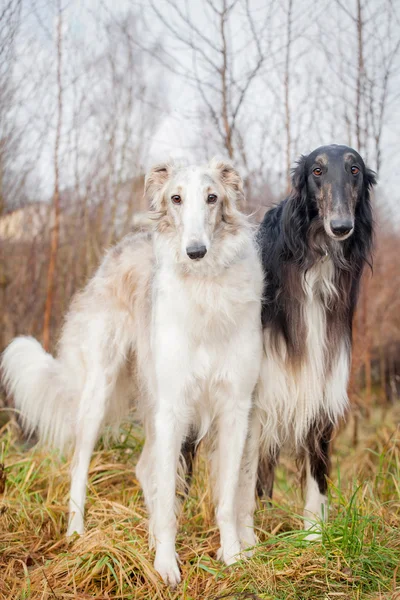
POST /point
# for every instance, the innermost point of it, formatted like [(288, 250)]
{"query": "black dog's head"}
[(334, 179)]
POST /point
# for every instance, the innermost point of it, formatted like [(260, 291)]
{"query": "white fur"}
[(183, 337), (31, 373), (316, 507)]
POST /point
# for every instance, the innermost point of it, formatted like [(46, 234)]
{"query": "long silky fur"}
[(178, 338), (311, 281)]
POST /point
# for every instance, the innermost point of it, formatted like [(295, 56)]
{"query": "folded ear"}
[(370, 177), (299, 175), (296, 218), (154, 183), (231, 180)]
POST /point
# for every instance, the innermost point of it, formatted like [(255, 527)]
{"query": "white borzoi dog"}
[(176, 315)]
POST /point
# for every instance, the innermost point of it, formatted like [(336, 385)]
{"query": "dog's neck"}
[(322, 248)]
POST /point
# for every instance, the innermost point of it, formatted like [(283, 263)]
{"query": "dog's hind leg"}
[(189, 451), (317, 466), (266, 473), (89, 420), (103, 368), (145, 471)]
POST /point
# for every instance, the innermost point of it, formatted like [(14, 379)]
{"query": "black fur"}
[(188, 452), (292, 238), (317, 448), (266, 474), (285, 242)]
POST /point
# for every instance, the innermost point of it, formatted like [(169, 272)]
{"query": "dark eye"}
[(317, 172), (176, 199), (211, 198), (355, 170)]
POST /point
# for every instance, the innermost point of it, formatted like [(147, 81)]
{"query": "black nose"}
[(341, 226), (196, 251)]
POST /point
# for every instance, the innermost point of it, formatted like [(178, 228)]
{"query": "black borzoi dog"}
[(314, 246)]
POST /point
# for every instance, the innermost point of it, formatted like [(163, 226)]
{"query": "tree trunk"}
[(360, 74), (55, 231), (224, 70), (287, 99)]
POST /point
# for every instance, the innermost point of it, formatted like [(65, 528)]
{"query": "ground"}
[(358, 557)]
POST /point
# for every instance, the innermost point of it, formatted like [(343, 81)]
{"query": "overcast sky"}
[(321, 31)]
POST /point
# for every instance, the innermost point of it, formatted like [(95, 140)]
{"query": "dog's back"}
[(111, 307)]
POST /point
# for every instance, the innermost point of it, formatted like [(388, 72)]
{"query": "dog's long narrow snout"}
[(341, 226), (195, 251), (195, 238), (340, 217)]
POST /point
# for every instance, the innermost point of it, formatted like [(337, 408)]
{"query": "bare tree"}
[(56, 194), (383, 67), (287, 90), (365, 77), (11, 181), (223, 68), (10, 135)]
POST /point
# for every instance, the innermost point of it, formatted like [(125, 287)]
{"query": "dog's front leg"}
[(168, 439), (247, 485), (231, 440)]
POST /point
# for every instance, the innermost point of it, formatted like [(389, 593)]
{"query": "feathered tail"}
[(41, 390)]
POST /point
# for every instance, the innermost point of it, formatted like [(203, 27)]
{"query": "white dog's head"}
[(196, 204)]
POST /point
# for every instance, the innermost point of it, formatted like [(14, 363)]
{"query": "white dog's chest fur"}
[(290, 400), (201, 327)]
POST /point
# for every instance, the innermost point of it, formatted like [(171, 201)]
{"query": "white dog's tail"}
[(41, 390)]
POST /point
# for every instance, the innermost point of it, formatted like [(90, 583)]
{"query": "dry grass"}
[(358, 557)]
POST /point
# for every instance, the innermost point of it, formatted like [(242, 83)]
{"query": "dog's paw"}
[(248, 540), (166, 565), (229, 554), (247, 549), (75, 525), (313, 531), (313, 536)]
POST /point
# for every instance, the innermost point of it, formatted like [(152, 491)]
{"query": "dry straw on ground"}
[(359, 555)]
